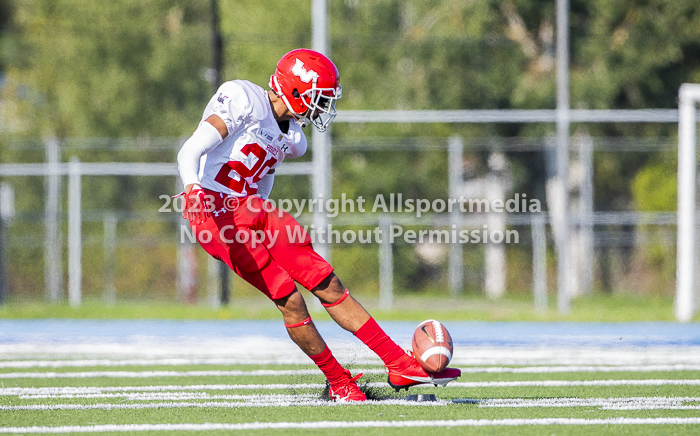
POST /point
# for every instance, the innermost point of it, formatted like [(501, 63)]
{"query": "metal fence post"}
[(386, 265), (74, 233), (214, 278), (539, 261), (53, 259), (110, 258), (7, 212), (455, 146), (686, 276)]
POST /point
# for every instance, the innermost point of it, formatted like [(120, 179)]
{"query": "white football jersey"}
[(254, 145)]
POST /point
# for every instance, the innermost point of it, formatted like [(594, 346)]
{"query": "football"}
[(432, 345)]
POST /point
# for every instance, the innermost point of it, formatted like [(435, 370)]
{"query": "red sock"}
[(374, 337), (328, 365)]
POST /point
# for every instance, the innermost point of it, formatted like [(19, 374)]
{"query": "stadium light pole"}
[(563, 122)]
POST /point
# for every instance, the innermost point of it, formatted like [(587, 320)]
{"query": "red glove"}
[(196, 206)]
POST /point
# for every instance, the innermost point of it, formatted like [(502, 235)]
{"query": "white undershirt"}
[(203, 140)]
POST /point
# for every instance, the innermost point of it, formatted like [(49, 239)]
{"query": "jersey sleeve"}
[(296, 141), (232, 105)]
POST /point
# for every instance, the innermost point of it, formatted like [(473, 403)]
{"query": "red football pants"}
[(266, 246)]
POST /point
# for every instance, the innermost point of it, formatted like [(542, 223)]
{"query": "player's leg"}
[(403, 369), (299, 325), (304, 333), (252, 262), (350, 315), (296, 255), (347, 312)]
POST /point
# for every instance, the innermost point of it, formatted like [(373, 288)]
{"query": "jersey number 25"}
[(245, 173)]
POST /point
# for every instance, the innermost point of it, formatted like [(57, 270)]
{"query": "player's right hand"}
[(196, 206)]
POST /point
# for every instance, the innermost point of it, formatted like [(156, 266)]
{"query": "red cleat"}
[(407, 372), (346, 389)]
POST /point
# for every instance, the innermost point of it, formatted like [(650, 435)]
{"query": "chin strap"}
[(346, 294)]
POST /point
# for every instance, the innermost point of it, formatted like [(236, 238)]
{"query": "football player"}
[(227, 167)]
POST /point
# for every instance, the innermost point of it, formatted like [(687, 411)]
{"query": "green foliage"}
[(82, 68), (139, 69), (654, 188)]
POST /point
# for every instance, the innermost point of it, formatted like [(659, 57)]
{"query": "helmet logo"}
[(305, 76)]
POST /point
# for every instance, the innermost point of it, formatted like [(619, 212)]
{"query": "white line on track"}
[(350, 424)]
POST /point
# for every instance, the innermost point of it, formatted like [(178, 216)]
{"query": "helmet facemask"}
[(320, 104)]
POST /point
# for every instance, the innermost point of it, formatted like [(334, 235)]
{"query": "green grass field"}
[(595, 308), (208, 389), (287, 399)]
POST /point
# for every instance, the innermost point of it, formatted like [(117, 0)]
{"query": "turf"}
[(271, 412), (594, 308)]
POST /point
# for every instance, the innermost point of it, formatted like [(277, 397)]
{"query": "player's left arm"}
[(208, 135)]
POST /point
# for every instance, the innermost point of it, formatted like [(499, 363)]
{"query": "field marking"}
[(164, 388), (563, 383), (232, 387), (285, 352), (115, 362), (172, 396), (350, 424), (149, 374), (186, 362), (295, 372), (223, 404), (579, 368), (622, 403)]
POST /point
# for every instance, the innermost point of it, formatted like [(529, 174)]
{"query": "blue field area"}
[(499, 334)]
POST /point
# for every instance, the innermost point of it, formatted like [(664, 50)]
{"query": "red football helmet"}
[(308, 83)]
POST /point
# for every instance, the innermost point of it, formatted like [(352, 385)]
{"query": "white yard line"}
[(149, 374), (188, 362), (221, 404), (349, 424), (172, 396), (232, 387), (293, 372), (165, 388), (579, 368), (285, 352), (561, 383), (624, 403), (114, 362)]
